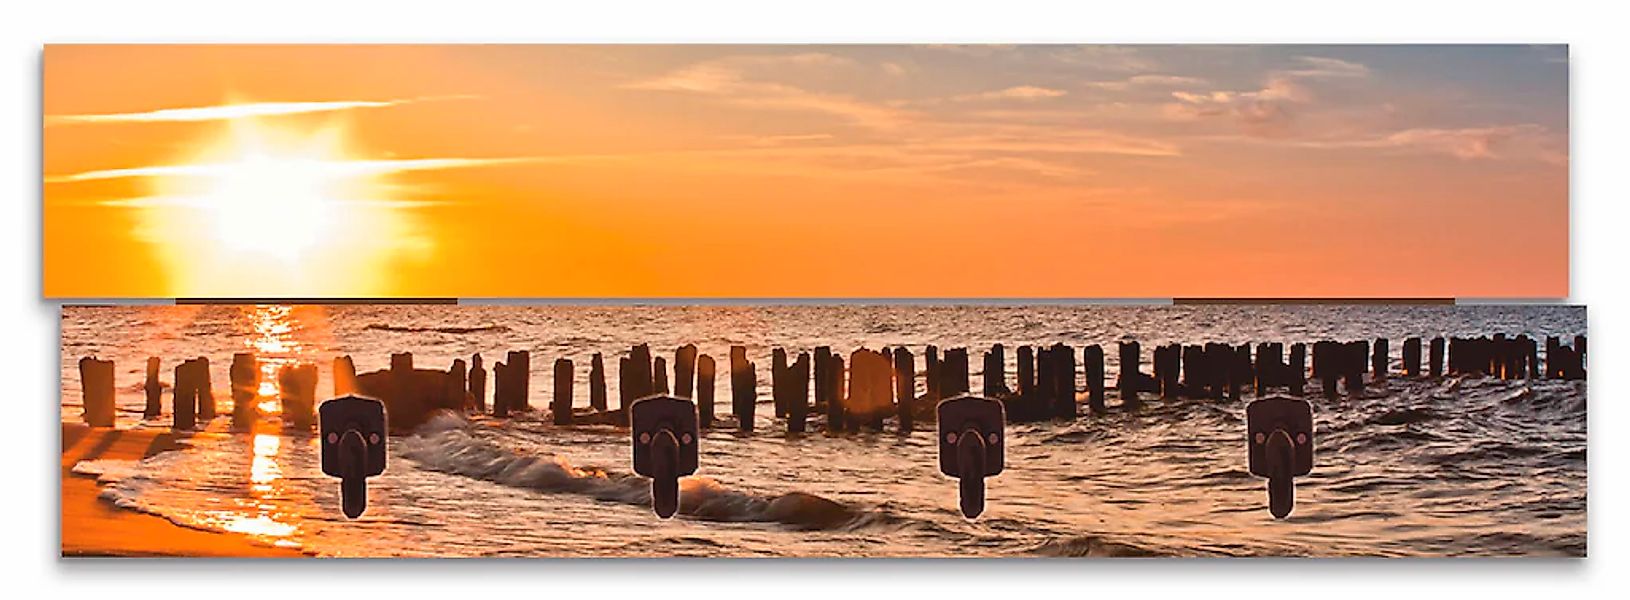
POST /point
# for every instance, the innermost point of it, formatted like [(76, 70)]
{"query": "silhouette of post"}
[(953, 369), (1092, 358), (154, 391), (639, 374), (685, 371), (478, 383), (520, 384), (869, 389), (779, 381), (562, 405), (457, 387), (705, 377), (1357, 351), (597, 383), (905, 388), (743, 384), (1412, 357), (659, 376), (1378, 360), (184, 397), (297, 387), (1298, 368), (500, 391), (1043, 403), (1027, 372), (931, 369), (96, 388), (206, 391), (244, 376), (1434, 362), (1131, 355), (797, 391), (995, 371)]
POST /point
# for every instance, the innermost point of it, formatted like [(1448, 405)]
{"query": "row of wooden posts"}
[(880, 383)]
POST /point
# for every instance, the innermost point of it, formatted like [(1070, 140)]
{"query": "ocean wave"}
[(450, 330), (446, 444)]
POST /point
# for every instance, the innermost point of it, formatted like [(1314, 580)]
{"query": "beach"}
[(93, 527)]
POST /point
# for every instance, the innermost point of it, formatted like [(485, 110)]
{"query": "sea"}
[(1421, 467)]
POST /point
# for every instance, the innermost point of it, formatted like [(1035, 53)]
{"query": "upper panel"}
[(805, 171)]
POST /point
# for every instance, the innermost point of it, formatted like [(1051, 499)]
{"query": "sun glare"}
[(276, 212)]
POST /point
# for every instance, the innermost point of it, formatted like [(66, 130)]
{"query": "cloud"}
[(1021, 92), (1519, 141), (1145, 81), (1270, 110), (337, 167), (231, 111), (734, 80)]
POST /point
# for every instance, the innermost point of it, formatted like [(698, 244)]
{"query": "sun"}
[(276, 211)]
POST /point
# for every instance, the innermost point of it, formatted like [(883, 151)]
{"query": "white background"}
[(1600, 74)]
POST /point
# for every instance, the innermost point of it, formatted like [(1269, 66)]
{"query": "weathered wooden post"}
[(206, 391), (520, 372), (1412, 357), (478, 383), (868, 389), (1379, 359), (458, 387), (1064, 379), (1357, 351), (96, 387), (1168, 365), (1533, 358), (743, 388), (597, 383), (778, 381), (905, 388), (639, 377), (1027, 373), (931, 369), (705, 374), (154, 391), (1093, 364), (1434, 361), (1131, 355), (500, 391), (1324, 366), (244, 376), (562, 405), (685, 371), (797, 394), (659, 376), (995, 371), (184, 397), (1239, 370)]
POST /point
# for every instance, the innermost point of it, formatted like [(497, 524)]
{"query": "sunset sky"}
[(805, 171)]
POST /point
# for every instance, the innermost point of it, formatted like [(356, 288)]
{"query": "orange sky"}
[(805, 171)]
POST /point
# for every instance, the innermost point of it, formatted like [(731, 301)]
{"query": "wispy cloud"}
[(225, 112), (1019, 92), (734, 80), (337, 168), (1269, 110)]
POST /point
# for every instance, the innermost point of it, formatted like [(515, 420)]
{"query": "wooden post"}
[(705, 371), (931, 370), (297, 388), (639, 374), (1027, 372), (685, 371), (1434, 361), (206, 391), (562, 405), (244, 376), (1298, 368), (1064, 378), (1042, 405), (520, 373), (478, 383), (905, 388), (184, 397), (1380, 358), (995, 371), (154, 391), (743, 392), (1131, 355), (954, 373), (1092, 359), (457, 387), (1412, 357), (659, 376), (500, 393), (779, 377), (797, 391), (96, 387), (597, 383)]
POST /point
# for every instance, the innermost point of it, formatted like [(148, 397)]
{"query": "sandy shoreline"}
[(94, 527)]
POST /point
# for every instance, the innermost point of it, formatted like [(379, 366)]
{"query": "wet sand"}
[(94, 527)]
